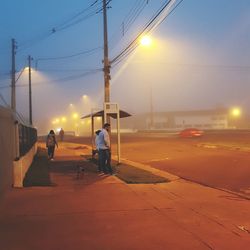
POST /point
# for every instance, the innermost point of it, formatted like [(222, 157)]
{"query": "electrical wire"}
[(135, 42), (76, 15), (135, 16), (156, 20), (67, 78), (128, 21), (91, 51), (64, 25)]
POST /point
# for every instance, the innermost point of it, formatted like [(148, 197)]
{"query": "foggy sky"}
[(200, 58)]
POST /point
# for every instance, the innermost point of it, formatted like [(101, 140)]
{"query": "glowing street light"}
[(63, 119), (84, 97), (236, 112), (146, 41), (75, 115)]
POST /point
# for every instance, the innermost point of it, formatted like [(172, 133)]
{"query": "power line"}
[(134, 17), (65, 79), (86, 52), (76, 15), (128, 21), (63, 70), (134, 43), (156, 20), (64, 25)]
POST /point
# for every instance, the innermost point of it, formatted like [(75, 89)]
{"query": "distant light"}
[(75, 115), (146, 41), (98, 118), (58, 129), (236, 112), (84, 97), (63, 119), (71, 105)]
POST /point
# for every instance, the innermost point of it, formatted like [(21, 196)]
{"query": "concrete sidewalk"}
[(97, 212)]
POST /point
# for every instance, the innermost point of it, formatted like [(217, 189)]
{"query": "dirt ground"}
[(219, 160)]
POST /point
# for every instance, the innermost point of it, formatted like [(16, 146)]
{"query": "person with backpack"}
[(50, 144)]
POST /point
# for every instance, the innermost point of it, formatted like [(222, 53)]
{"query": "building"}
[(177, 120)]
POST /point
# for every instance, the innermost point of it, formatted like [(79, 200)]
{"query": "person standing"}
[(50, 144), (61, 134), (96, 151), (104, 149)]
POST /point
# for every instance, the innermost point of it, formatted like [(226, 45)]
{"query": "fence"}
[(27, 138)]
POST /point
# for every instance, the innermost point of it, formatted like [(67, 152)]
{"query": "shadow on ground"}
[(41, 168), (38, 173)]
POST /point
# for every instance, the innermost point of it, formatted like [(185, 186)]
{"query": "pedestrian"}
[(96, 150), (50, 144), (104, 149), (61, 134)]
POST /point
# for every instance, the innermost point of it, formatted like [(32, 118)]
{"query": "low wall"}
[(21, 166), (7, 149)]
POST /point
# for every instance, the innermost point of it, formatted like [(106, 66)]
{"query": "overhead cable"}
[(155, 21)]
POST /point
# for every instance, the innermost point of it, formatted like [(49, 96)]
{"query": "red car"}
[(191, 132)]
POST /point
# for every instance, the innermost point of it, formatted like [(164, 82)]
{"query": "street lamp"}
[(30, 91), (146, 41), (235, 115), (236, 112)]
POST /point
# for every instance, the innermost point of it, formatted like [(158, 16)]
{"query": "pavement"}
[(103, 212)]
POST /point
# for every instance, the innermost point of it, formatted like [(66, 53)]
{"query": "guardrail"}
[(27, 138)]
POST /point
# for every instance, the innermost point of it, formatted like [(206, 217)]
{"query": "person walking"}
[(104, 149), (50, 144)]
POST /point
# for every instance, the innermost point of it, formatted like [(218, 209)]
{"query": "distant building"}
[(177, 120)]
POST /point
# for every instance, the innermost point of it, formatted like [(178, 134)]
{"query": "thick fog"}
[(199, 59)]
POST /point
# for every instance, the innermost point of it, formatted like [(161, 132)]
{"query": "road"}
[(216, 160)]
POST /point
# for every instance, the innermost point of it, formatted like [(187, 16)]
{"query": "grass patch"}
[(38, 173), (133, 175)]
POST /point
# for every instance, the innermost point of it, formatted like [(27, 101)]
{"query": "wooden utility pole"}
[(106, 63), (151, 109), (13, 74), (30, 92)]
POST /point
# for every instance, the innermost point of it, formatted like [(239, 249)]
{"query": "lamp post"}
[(236, 115)]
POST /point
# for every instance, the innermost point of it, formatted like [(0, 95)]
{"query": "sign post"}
[(113, 108)]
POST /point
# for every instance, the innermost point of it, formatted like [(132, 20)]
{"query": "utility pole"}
[(13, 74), (106, 68), (151, 108), (30, 92)]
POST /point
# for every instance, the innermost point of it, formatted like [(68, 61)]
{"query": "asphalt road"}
[(199, 160)]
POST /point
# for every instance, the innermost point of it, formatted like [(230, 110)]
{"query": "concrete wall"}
[(21, 166), (12, 167), (7, 149)]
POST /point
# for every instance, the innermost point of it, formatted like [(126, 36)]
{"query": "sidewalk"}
[(96, 212)]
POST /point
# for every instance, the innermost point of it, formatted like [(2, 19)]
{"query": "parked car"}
[(191, 132)]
